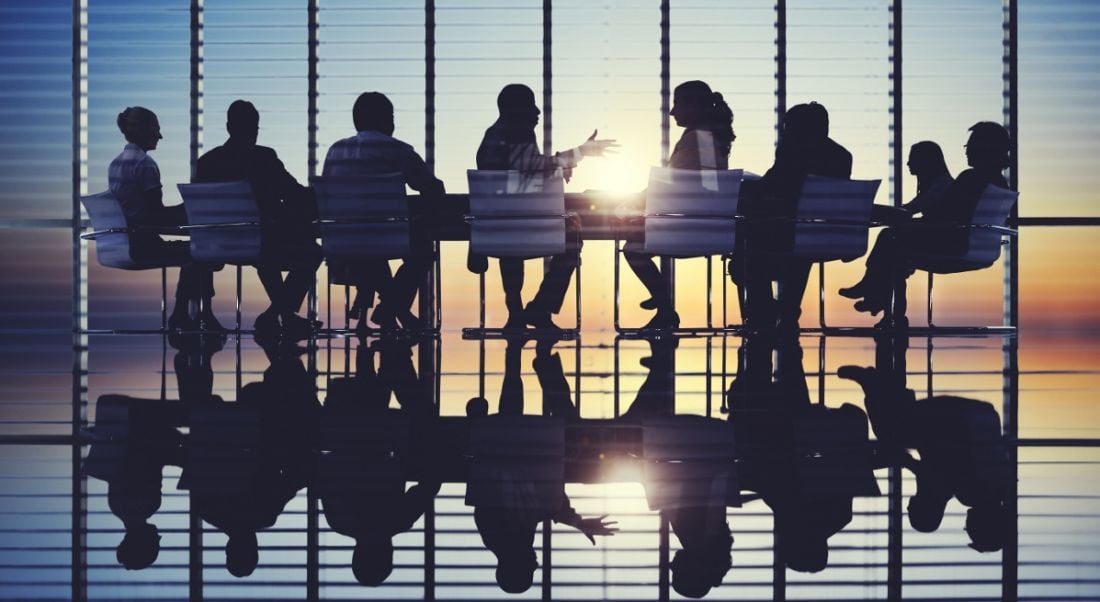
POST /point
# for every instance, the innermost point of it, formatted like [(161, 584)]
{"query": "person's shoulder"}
[(211, 156), (838, 148)]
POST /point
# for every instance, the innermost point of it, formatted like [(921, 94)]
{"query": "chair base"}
[(565, 334)]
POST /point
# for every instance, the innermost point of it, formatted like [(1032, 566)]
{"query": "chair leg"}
[(347, 308), (238, 299), (710, 305), (821, 294), (578, 301), (438, 287), (930, 299), (615, 286), (164, 299), (481, 300)]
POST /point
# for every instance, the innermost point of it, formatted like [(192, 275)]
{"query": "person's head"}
[(373, 112), (696, 106), (242, 554), (478, 407), (926, 512), (516, 572), (139, 547), (516, 103), (696, 572), (139, 126), (807, 122), (242, 121), (926, 160), (988, 146), (986, 527), (372, 560)]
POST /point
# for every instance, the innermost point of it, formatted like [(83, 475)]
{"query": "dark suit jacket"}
[(278, 195)]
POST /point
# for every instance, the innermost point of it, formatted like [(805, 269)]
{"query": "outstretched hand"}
[(597, 148), (597, 526)]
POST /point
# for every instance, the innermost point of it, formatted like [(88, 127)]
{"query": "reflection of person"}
[(513, 490), (807, 461), (962, 453), (372, 151), (134, 179), (887, 269), (286, 209), (135, 439), (690, 479), (509, 144), (247, 460), (705, 144), (804, 149), (363, 472)]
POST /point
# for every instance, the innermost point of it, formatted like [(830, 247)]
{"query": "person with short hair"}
[(134, 178), (374, 150), (510, 144), (287, 210)]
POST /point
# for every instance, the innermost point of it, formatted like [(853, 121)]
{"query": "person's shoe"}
[(296, 327), (267, 321), (666, 319), (868, 306), (515, 321), (409, 321), (859, 374), (539, 319), (180, 321), (856, 291), (209, 323), (383, 318), (649, 303)]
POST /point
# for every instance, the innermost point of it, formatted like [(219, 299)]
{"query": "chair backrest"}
[(375, 212), (993, 209), (220, 204), (840, 211), (690, 213), (112, 249), (516, 214)]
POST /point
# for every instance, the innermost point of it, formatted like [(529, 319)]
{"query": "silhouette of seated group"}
[(288, 212), (376, 467)]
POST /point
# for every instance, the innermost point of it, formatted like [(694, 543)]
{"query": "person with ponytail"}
[(705, 144), (134, 178)]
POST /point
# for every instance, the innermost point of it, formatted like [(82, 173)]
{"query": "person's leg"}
[(511, 277), (792, 286), (271, 277), (645, 268), (753, 276), (405, 285), (299, 280), (511, 390)]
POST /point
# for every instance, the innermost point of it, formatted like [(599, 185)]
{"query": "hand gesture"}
[(596, 526), (597, 148)]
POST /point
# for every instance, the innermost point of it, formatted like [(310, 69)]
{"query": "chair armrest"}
[(364, 220), (810, 221), (189, 227), (478, 218), (715, 217), (134, 230)]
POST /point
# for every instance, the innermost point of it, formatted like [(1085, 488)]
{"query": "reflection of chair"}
[(111, 233), (224, 224), (689, 213), (367, 217), (984, 237), (518, 215), (832, 223)]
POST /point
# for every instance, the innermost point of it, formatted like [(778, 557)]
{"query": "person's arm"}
[(591, 527)]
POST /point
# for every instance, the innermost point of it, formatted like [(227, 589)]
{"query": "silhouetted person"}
[(693, 491), (134, 179), (372, 151), (705, 144), (363, 473), (511, 491), (807, 461), (804, 149), (287, 210), (248, 459), (962, 453), (934, 233), (510, 144), (134, 440)]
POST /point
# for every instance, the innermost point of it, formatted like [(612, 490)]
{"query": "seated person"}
[(374, 151), (887, 268), (134, 178), (705, 144), (286, 210), (509, 144), (804, 149)]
